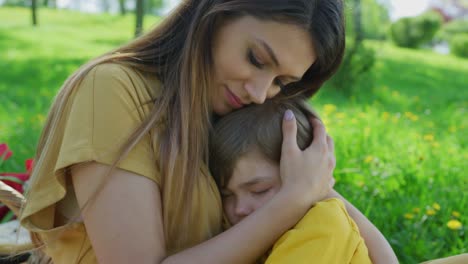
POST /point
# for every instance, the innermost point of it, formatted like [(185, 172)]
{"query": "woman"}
[(120, 171)]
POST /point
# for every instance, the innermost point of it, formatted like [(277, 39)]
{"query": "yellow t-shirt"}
[(326, 234), (103, 110)]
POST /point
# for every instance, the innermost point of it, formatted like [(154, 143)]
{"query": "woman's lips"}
[(233, 100)]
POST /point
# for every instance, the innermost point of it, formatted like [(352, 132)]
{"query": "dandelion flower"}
[(430, 212), (416, 210), (385, 116), (411, 116), (329, 108), (429, 137), (436, 206), (341, 115), (368, 159), (455, 214), (454, 224), (409, 216), (367, 131)]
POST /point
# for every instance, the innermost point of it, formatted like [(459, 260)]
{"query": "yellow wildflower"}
[(395, 94), (436, 206), (435, 144), (385, 116), (414, 118), (455, 214), (409, 216), (367, 131), (368, 159), (454, 224), (395, 119), (430, 212), (329, 108), (325, 121), (340, 115), (360, 184), (452, 129), (416, 210), (429, 137), (40, 118)]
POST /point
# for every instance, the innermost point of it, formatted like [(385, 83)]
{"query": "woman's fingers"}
[(320, 135), (289, 133)]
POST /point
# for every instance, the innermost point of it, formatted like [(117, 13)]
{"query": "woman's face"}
[(254, 182), (253, 58)]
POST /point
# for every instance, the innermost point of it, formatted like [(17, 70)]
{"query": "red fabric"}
[(5, 152)]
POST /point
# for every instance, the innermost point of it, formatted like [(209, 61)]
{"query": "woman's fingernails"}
[(288, 115)]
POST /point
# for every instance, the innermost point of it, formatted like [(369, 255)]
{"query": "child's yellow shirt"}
[(326, 234)]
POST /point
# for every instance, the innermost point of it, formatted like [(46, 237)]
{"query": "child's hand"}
[(306, 175)]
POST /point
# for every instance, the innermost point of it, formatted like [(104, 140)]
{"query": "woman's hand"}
[(307, 174)]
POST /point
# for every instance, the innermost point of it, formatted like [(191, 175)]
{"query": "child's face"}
[(255, 180)]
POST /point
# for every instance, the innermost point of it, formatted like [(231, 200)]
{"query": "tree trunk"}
[(34, 12), (139, 13), (123, 11)]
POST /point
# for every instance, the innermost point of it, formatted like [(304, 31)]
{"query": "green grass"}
[(400, 146)]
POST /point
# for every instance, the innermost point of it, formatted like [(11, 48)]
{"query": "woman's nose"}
[(260, 89)]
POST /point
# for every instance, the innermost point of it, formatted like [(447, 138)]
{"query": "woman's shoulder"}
[(114, 77)]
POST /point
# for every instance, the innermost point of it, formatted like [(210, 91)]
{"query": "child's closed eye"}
[(261, 191)]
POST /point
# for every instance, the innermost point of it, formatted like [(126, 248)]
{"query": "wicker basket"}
[(8, 252)]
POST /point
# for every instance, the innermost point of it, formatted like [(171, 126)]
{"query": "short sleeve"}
[(108, 105), (326, 234)]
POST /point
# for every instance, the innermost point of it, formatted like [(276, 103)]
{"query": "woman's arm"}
[(380, 250), (124, 221)]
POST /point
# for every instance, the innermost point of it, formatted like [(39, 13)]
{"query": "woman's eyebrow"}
[(273, 57)]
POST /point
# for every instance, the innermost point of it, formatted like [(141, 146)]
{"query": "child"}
[(245, 152)]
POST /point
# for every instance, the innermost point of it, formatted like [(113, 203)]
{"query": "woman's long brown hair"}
[(178, 52)]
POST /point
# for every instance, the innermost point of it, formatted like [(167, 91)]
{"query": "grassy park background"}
[(401, 141)]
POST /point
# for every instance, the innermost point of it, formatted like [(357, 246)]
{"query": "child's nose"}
[(243, 209)]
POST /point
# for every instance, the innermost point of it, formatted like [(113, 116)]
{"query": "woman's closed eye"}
[(254, 60)]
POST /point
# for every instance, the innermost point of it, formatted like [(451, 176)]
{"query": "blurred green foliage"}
[(362, 22), (412, 32), (375, 18), (356, 71), (459, 45), (452, 28)]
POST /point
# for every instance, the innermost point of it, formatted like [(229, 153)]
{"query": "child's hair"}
[(256, 127)]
